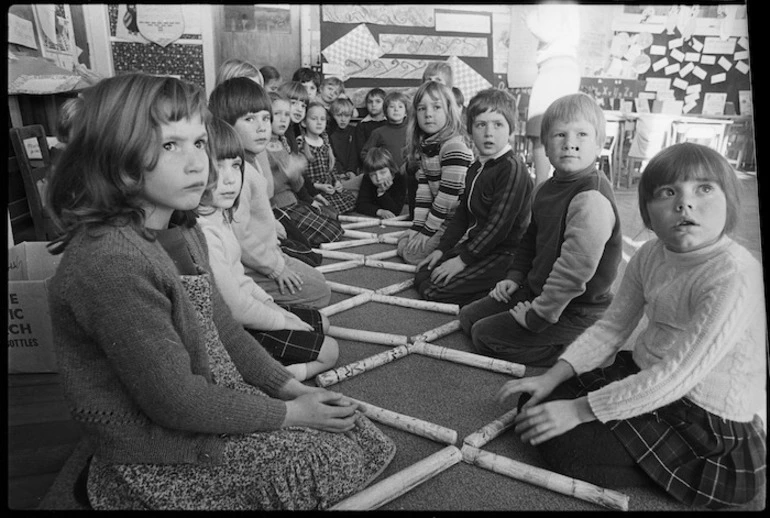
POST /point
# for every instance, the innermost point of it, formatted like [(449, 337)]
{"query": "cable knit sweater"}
[(133, 354), (254, 226), (705, 339), (245, 298)]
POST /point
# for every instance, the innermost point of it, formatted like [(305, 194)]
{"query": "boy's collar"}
[(485, 159)]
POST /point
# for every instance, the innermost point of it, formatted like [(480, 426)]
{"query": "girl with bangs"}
[(440, 156), (184, 408)]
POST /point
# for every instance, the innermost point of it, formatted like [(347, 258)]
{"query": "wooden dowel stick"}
[(388, 240), (334, 254), (488, 432), (359, 224), (357, 234), (544, 478), (435, 334), (401, 267), (342, 305), (391, 222), (333, 376), (472, 359), (387, 490), (429, 305), (351, 219), (407, 423), (349, 244), (336, 267), (395, 288), (347, 289), (372, 337), (387, 254)]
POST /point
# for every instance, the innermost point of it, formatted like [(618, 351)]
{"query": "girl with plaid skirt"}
[(292, 335), (320, 169), (685, 408), (184, 408)]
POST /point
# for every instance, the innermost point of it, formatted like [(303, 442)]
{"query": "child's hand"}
[(519, 313), (385, 214), (386, 184), (324, 187), (503, 290), (338, 187), (416, 243), (433, 258), (447, 270), (289, 280), (294, 323), (322, 410), (320, 200)]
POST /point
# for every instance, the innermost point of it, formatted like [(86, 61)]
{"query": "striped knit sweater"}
[(440, 182), (704, 340)]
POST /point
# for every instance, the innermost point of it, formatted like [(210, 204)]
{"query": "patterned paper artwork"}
[(405, 16), (434, 45), (358, 44)]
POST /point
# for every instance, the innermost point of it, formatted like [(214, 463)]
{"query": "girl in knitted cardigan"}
[(292, 335), (686, 407), (184, 408), (437, 148)]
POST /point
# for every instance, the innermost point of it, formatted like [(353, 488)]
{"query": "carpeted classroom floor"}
[(449, 394)]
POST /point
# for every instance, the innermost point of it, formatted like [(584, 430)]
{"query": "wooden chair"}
[(34, 172)]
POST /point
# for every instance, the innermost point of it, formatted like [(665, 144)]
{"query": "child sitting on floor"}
[(686, 407), (375, 117), (383, 189), (291, 334), (320, 169), (562, 273), (481, 238), (392, 136)]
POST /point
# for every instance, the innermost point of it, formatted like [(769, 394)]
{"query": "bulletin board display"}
[(389, 46), (179, 55)]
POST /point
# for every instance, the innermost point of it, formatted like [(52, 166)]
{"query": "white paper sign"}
[(657, 50), (691, 98), (665, 95), (718, 78), (716, 45), (660, 64), (677, 54), (642, 105), (696, 88), (725, 63), (742, 67), (686, 69), (159, 23), (744, 42), (676, 42), (687, 108), (741, 54), (698, 71), (648, 96), (708, 59), (744, 102), (692, 56), (21, 31), (696, 44), (672, 69), (680, 83), (657, 84), (714, 103)]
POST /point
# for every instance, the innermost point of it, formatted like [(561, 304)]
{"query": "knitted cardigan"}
[(704, 340), (133, 354)]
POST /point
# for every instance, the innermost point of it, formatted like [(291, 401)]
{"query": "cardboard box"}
[(30, 337)]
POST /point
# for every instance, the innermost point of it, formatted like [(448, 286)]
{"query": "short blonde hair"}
[(235, 67), (572, 107)]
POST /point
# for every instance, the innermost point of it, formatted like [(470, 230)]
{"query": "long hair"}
[(100, 175), (379, 158), (415, 136), (690, 161), (224, 143)]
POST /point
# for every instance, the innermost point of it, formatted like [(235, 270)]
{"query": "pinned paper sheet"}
[(692, 56), (741, 54), (358, 44), (725, 63), (699, 72), (660, 64), (677, 54), (657, 50), (665, 95), (697, 45), (466, 78), (657, 84), (718, 78), (686, 69), (714, 103), (691, 98), (742, 67), (744, 42), (687, 108), (696, 88), (675, 43), (21, 31), (716, 45), (672, 69), (708, 59), (642, 105), (680, 83)]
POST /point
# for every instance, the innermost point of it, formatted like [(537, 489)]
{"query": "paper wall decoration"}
[(466, 78), (405, 16), (358, 44), (742, 67), (161, 24), (450, 21), (385, 68), (434, 45)]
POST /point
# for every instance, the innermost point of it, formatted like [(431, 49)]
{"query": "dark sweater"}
[(494, 209), (133, 353), (364, 130), (391, 137), (393, 199), (344, 148), (570, 253)]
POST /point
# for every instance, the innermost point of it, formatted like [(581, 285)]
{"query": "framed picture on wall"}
[(56, 34)]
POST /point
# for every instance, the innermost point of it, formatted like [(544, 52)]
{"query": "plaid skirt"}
[(292, 346), (699, 458), (314, 224)]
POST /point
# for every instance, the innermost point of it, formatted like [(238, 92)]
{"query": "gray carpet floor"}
[(455, 396)]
